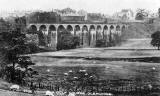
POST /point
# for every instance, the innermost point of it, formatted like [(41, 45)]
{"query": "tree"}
[(159, 12), (25, 62), (156, 39), (20, 71), (20, 22), (15, 48), (141, 14), (13, 45)]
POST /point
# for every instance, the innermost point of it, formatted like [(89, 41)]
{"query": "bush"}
[(32, 48), (32, 38), (100, 43), (67, 41), (156, 39)]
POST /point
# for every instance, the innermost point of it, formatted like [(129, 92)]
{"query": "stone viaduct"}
[(88, 33)]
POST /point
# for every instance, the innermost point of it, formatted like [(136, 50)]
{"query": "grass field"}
[(147, 72), (140, 71)]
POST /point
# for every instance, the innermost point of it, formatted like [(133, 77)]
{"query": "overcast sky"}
[(102, 6)]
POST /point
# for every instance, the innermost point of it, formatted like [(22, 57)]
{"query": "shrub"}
[(32, 48), (100, 43), (32, 38), (156, 39), (67, 41)]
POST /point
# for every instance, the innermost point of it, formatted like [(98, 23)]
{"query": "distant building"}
[(95, 17), (70, 15), (72, 18), (65, 11), (125, 14), (82, 12)]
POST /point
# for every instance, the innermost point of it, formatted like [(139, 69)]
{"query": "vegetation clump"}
[(156, 39), (67, 41)]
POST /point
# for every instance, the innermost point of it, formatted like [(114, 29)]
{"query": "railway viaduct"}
[(88, 33)]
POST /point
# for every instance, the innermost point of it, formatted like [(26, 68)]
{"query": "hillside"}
[(140, 30)]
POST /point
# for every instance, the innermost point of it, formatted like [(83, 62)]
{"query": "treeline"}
[(44, 17), (57, 15)]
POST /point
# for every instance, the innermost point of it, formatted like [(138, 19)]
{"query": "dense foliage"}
[(4, 26), (95, 17), (20, 22), (67, 41), (156, 39), (14, 62), (32, 42), (141, 14), (13, 46), (112, 42), (100, 43), (43, 17)]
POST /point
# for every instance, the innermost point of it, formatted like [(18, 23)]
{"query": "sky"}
[(96, 6)]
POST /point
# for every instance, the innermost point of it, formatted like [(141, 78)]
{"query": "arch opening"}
[(111, 27), (84, 28), (85, 36), (60, 28), (111, 36), (51, 36), (92, 36), (43, 35), (92, 28), (123, 28), (105, 28), (117, 28), (69, 28), (52, 28), (99, 28), (99, 33), (32, 29), (105, 32), (77, 29), (43, 28)]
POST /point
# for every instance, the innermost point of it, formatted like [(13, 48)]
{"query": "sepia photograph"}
[(79, 47)]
